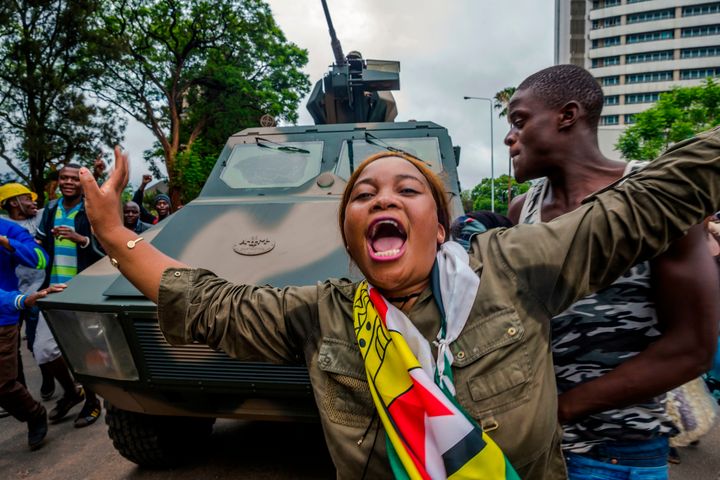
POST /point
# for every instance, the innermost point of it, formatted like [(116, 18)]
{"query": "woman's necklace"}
[(403, 300)]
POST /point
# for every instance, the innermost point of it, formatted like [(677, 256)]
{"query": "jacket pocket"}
[(346, 397), (492, 364)]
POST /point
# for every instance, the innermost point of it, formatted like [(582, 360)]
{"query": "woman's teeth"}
[(388, 253)]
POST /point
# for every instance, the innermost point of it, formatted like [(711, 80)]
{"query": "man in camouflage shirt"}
[(618, 351)]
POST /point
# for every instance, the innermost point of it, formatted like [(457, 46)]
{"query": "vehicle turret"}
[(355, 90)]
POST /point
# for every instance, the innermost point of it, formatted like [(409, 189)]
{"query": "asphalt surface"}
[(701, 462), (247, 450)]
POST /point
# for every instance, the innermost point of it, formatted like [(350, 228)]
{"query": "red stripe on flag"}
[(408, 412)]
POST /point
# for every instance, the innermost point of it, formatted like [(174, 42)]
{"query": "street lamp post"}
[(492, 152)]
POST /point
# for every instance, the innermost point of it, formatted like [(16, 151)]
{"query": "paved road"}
[(248, 450), (701, 462), (236, 450)]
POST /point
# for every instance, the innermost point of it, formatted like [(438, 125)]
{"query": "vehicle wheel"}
[(156, 441)]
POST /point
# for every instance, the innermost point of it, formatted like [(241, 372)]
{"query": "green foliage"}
[(193, 167), (466, 199), (481, 196), (126, 194), (190, 69), (46, 65), (677, 115), (502, 99)]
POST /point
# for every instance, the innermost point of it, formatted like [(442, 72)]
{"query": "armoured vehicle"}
[(266, 215)]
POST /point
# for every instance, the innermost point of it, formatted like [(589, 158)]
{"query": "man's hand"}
[(99, 167), (33, 297), (147, 178), (69, 234), (5, 243), (102, 204)]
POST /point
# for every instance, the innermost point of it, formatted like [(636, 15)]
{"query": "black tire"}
[(155, 441)]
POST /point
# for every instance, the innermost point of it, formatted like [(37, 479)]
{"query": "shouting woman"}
[(437, 365)]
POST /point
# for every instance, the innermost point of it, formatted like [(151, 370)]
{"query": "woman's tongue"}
[(389, 245)]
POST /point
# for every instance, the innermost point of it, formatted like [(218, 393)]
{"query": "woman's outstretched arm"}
[(141, 263)]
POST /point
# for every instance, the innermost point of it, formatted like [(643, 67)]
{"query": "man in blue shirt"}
[(17, 247)]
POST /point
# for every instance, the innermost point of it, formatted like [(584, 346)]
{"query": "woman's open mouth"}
[(386, 240)]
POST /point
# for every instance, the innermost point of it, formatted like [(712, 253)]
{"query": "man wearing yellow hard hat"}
[(14, 196), (19, 202)]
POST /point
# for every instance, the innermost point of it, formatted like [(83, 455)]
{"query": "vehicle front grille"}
[(202, 364)]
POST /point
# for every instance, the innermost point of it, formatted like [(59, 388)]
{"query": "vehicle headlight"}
[(94, 343)]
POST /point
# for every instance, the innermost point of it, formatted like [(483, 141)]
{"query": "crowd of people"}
[(552, 343), (40, 251)]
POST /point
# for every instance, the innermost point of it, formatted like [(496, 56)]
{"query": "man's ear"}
[(568, 115)]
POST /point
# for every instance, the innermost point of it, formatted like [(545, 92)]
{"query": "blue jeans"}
[(645, 460)]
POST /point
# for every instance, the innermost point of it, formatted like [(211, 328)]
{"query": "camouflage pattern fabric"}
[(595, 335)]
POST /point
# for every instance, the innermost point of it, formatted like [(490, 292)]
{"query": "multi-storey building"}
[(638, 48)]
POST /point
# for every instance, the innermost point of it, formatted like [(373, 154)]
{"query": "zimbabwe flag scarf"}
[(429, 436)]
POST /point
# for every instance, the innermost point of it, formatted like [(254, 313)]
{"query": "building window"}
[(609, 120), (701, 9), (650, 36), (700, 52), (697, 73), (649, 77), (651, 16), (611, 80), (606, 42), (629, 119), (641, 98), (636, 1), (605, 61), (649, 56), (612, 100), (700, 31), (607, 3), (606, 22)]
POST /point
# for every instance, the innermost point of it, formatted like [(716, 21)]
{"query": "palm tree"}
[(502, 98)]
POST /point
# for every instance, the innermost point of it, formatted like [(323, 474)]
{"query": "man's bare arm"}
[(686, 287)]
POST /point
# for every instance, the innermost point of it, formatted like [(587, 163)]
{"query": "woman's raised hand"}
[(102, 203), (141, 263)]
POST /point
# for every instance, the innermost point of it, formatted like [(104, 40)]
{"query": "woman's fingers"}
[(121, 172), (118, 178), (102, 204), (89, 185)]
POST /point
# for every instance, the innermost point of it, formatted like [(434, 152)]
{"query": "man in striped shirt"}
[(64, 232)]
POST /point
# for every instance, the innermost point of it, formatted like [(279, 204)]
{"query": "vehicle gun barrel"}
[(334, 42)]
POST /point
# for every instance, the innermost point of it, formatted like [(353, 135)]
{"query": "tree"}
[(191, 69), (502, 99), (501, 102), (481, 197), (46, 118), (677, 115)]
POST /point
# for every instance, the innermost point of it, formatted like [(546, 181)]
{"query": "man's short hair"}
[(71, 165), (557, 85)]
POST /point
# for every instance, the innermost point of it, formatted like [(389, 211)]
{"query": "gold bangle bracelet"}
[(130, 245)]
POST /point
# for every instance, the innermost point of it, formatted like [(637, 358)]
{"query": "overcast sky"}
[(446, 50)]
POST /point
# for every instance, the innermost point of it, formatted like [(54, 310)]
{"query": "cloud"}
[(447, 50)]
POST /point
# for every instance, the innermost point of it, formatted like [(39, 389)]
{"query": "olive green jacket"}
[(503, 366)]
